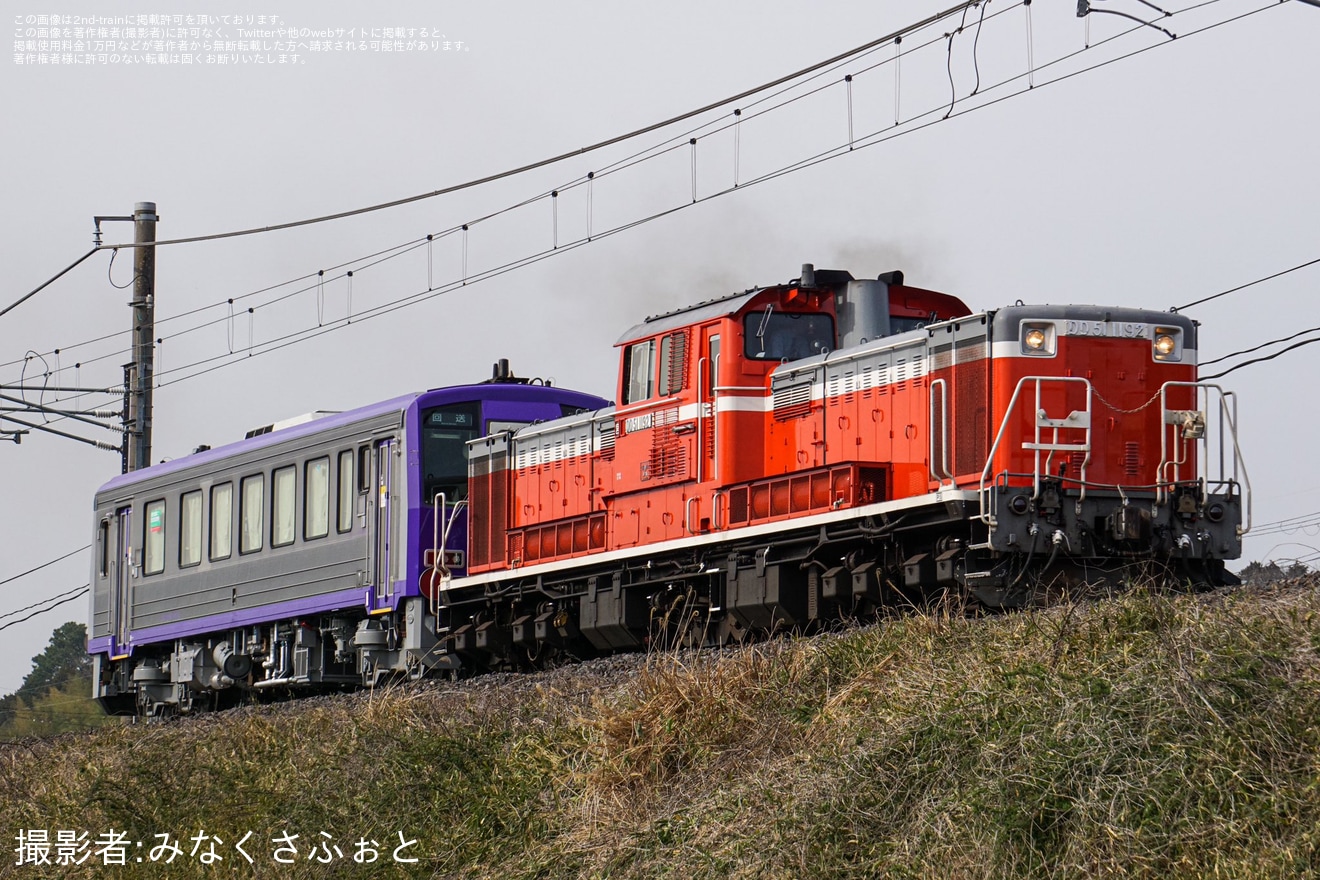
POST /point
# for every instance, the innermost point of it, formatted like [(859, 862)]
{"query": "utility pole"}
[(140, 374)]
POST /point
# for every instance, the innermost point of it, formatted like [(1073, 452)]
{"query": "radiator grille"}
[(792, 401)]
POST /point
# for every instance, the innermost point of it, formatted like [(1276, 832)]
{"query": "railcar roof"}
[(510, 391), (220, 453)]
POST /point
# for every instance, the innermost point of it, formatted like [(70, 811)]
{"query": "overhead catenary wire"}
[(1242, 287), (873, 139), (581, 151), (822, 69), (81, 591), (24, 574), (818, 70), (1258, 347), (1260, 360), (39, 604)]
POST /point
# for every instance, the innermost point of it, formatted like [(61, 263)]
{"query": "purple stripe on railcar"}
[(325, 603)]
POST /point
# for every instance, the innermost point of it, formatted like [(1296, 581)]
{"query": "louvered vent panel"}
[(1132, 459), (792, 401)]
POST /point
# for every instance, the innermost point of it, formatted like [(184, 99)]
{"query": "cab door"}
[(707, 400), (380, 537), (121, 578)]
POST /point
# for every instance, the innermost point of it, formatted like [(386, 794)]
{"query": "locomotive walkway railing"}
[(1182, 430), (1075, 420)]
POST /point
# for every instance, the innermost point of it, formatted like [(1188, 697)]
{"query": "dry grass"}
[(1144, 736)]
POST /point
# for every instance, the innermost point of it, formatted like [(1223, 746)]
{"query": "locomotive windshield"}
[(446, 431), (780, 336)]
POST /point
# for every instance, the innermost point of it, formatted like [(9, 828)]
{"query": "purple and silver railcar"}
[(293, 559)]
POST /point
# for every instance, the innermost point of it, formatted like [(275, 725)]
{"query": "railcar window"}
[(316, 499), (103, 548), (787, 336), (446, 431), (282, 506), (190, 529), (637, 370), (222, 521), (153, 543), (364, 468), (251, 505), (346, 490)]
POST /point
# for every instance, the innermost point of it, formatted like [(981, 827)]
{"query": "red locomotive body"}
[(796, 452)]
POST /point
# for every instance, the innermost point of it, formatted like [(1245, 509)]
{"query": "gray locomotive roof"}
[(1006, 318), (702, 311)]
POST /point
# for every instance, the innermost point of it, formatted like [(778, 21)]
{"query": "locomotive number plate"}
[(1119, 329)]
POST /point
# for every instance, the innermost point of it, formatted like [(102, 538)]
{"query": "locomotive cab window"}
[(638, 373), (780, 336), (446, 431)]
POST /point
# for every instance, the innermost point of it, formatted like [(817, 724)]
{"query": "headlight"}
[(1166, 344), (1038, 338)]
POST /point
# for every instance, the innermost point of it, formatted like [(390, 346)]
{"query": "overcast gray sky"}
[(1152, 181)]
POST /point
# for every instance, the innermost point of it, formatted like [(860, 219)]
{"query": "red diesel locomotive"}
[(802, 452)]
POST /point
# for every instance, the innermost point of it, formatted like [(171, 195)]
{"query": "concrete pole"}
[(144, 333)]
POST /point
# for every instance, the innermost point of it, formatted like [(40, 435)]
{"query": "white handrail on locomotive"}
[(1193, 431), (1227, 429), (943, 475), (440, 543), (1075, 419)]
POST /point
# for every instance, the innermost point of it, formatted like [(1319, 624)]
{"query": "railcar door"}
[(382, 590), (121, 559), (707, 396)]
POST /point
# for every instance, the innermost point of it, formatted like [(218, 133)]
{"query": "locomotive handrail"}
[(1042, 421), (703, 364), (1167, 473), (440, 539), (944, 473)]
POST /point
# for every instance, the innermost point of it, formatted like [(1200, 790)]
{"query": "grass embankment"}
[(1144, 736)]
